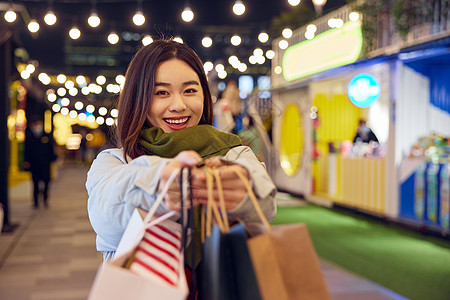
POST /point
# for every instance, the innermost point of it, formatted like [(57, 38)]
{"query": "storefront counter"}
[(357, 182)]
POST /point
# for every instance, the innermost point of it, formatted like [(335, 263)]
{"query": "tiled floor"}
[(52, 256)]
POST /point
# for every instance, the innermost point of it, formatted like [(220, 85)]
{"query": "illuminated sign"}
[(332, 48), (363, 90)]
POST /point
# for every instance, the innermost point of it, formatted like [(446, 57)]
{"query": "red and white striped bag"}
[(157, 256), (149, 261)]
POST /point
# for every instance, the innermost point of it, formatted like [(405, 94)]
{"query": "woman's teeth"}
[(178, 121)]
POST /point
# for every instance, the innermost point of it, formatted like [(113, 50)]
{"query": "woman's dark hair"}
[(136, 96)]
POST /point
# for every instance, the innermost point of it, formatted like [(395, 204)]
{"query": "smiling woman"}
[(164, 123)]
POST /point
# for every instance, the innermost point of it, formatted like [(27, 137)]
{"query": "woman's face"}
[(177, 101)]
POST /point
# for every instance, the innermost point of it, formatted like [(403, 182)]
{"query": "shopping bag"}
[(226, 271), (284, 260), (144, 267)]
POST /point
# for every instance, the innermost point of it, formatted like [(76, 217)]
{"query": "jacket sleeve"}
[(262, 185), (116, 188)]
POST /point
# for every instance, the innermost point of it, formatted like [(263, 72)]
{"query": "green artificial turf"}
[(412, 264)]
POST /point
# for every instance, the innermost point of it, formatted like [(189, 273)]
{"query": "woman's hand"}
[(234, 190), (183, 159)]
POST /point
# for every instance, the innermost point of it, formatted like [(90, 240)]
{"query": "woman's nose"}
[(177, 103)]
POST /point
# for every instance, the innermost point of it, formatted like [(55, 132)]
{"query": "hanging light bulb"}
[(10, 16), (263, 37), (113, 38), (294, 2), (138, 18), (187, 15), (239, 8), (207, 42), (146, 40), (50, 18), (74, 33), (318, 5), (33, 26), (94, 20)]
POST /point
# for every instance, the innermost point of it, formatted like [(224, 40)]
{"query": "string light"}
[(238, 8), (138, 18), (207, 42), (94, 20), (50, 18), (263, 37), (147, 40), (113, 38), (187, 15), (235, 40), (74, 33), (10, 16), (33, 26), (294, 2)]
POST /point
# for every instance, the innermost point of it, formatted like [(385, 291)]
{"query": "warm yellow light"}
[(235, 40), (65, 101), (239, 8), (33, 26), (207, 42), (147, 40), (10, 16), (270, 54), (93, 20), (294, 2), (50, 18), (208, 66), (263, 37), (138, 18), (187, 15), (48, 121), (286, 33), (51, 97), (69, 84), (113, 38), (120, 79), (74, 33), (114, 113), (101, 79), (31, 68), (61, 91), (178, 39), (90, 108), (102, 111), (61, 78), (278, 70), (354, 16), (283, 44)]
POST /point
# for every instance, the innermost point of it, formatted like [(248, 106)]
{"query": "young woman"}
[(165, 117)]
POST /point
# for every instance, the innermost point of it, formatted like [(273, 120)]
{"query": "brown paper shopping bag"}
[(286, 264), (114, 280), (284, 260)]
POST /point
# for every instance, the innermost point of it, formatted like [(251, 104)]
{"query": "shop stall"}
[(323, 87)]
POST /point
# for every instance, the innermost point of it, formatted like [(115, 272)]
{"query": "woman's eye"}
[(189, 91), (161, 93)]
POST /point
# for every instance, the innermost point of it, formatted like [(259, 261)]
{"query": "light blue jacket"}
[(116, 188)]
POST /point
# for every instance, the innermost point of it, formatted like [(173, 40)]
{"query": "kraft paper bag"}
[(286, 264)]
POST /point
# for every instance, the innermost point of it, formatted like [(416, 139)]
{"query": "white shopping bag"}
[(114, 281)]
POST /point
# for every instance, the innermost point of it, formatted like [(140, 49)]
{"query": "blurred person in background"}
[(223, 118), (364, 134), (39, 153)]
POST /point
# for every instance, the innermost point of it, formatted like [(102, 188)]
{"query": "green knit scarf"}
[(204, 139)]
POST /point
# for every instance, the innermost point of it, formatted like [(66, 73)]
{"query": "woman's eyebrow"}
[(194, 82)]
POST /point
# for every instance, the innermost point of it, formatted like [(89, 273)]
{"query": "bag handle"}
[(252, 197), (161, 196), (221, 199), (212, 207)]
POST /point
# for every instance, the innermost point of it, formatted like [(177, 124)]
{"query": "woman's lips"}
[(177, 123)]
